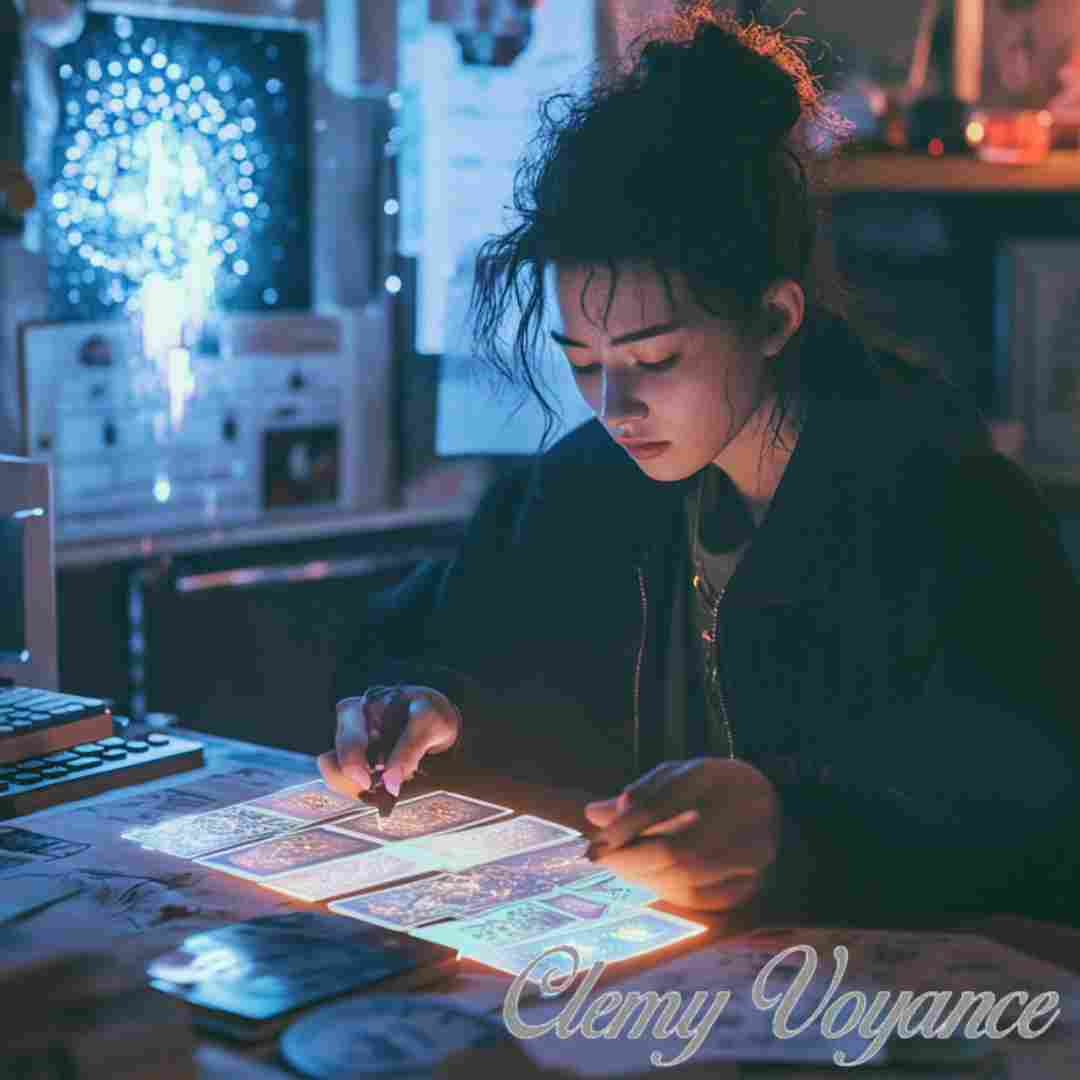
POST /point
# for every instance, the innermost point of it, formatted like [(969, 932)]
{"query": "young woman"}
[(780, 597)]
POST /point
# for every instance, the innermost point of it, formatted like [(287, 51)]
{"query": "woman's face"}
[(678, 382)]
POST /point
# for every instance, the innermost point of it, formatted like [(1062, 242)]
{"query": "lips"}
[(640, 449)]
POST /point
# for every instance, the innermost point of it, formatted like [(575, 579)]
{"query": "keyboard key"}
[(86, 748), (21, 725), (137, 746), (26, 778), (156, 739), (62, 758), (82, 763), (114, 754), (30, 763), (53, 772), (111, 742), (7, 729)]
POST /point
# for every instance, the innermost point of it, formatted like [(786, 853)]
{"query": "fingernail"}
[(599, 804), (622, 803), (391, 779)]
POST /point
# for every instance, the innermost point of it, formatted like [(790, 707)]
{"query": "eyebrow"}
[(625, 339)]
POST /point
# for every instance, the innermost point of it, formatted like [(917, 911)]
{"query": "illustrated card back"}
[(504, 926), (282, 854), (523, 876), (351, 874), (557, 864), (622, 938), (425, 815), (311, 802), (200, 834), (614, 890), (580, 907), (402, 907), (460, 850)]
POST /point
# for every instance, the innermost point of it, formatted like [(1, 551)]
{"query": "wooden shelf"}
[(920, 173), (284, 529)]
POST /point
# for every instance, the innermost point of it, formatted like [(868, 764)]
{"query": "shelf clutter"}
[(874, 171)]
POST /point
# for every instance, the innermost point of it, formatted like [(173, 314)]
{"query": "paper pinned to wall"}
[(463, 130)]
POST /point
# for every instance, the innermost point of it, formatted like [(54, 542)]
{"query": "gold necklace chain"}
[(699, 579), (706, 594)]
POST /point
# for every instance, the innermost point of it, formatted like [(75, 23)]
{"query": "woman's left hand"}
[(701, 833)]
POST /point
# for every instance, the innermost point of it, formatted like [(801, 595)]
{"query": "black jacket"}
[(893, 645)]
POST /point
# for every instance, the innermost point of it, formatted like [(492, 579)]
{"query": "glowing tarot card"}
[(193, 835), (526, 875), (557, 864), (460, 850), (311, 802), (424, 815), (402, 907), (504, 926), (622, 938), (580, 907), (282, 854), (492, 885), (615, 891), (349, 875)]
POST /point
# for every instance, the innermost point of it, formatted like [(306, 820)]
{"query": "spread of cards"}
[(448, 868)]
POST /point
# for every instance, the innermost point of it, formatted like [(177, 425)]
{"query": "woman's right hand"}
[(428, 724)]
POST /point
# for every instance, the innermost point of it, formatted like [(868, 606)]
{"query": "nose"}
[(619, 403)]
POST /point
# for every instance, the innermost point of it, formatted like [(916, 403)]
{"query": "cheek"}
[(731, 390), (589, 388), (696, 402)]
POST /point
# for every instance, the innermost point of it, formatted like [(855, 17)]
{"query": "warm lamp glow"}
[(1011, 136)]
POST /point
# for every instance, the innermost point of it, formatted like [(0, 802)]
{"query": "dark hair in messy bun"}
[(688, 159)]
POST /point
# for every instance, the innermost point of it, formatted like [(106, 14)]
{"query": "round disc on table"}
[(391, 1035)]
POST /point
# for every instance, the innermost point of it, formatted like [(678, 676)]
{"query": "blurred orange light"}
[(975, 132), (1012, 136)]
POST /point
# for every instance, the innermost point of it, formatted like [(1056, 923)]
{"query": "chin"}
[(666, 472)]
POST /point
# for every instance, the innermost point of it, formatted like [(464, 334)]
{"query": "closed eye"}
[(663, 365), (584, 369), (658, 366)]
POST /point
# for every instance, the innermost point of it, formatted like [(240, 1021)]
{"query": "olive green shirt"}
[(693, 723)]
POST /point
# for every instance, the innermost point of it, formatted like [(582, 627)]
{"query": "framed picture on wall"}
[(1026, 44), (1030, 59), (1038, 336)]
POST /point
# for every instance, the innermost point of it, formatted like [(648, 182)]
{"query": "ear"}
[(783, 309)]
